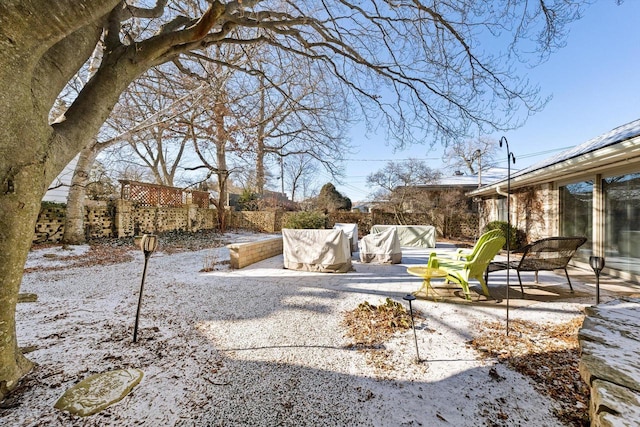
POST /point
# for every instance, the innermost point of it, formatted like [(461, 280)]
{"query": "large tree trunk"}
[(74, 221), (32, 152), (260, 152), (19, 207), (223, 175), (260, 142), (42, 45)]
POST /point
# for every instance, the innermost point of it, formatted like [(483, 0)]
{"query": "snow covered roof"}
[(459, 179), (614, 136), (617, 146)]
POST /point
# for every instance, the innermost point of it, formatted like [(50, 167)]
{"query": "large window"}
[(576, 213), (622, 219)]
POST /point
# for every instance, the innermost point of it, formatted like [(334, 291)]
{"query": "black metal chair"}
[(551, 253)]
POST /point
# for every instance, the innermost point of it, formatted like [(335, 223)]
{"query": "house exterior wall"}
[(590, 190), (536, 210), (487, 211)]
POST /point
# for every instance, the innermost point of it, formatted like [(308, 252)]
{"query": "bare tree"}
[(300, 109), (397, 186), (472, 154), (142, 115), (301, 171), (160, 145), (437, 79)]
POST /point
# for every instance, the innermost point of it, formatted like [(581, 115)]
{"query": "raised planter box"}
[(244, 254)]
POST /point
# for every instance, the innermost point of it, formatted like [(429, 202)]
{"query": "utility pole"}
[(282, 178), (478, 155)]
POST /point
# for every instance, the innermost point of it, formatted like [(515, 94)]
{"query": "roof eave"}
[(593, 161)]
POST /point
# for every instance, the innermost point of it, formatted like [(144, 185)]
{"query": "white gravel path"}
[(261, 346)]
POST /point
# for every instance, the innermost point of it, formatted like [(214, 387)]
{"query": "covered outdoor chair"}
[(383, 247), (551, 253), (462, 271), (351, 230)]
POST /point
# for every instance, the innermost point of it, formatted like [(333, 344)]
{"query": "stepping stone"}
[(99, 391), (24, 297)]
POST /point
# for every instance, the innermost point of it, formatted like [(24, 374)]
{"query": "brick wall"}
[(244, 254)]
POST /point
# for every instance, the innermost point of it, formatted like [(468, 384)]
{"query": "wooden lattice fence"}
[(145, 194), (199, 198)]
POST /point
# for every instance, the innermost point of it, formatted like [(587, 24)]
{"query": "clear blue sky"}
[(594, 81)]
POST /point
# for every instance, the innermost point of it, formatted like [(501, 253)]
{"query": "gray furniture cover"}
[(326, 251), (351, 230), (383, 247), (422, 236)]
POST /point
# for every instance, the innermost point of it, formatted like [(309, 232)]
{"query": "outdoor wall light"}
[(597, 264), (148, 244), (410, 298)]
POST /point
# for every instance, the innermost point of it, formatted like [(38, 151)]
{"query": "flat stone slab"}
[(612, 405), (610, 344), (99, 391), (24, 297)]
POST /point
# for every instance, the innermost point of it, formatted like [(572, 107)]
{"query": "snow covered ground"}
[(261, 346)]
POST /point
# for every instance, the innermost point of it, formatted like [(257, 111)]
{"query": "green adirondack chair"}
[(466, 254), (462, 271)]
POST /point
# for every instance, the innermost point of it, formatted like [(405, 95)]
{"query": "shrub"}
[(52, 205), (313, 220), (248, 201), (515, 236)]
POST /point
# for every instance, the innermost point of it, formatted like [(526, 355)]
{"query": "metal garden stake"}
[(148, 244), (597, 263), (510, 157), (410, 298)]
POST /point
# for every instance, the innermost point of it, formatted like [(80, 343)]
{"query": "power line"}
[(354, 189), (393, 160)]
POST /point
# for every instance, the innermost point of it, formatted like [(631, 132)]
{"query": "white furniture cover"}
[(383, 247), (351, 230), (422, 236), (326, 251)]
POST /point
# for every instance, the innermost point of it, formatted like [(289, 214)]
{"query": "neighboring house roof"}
[(59, 188), (468, 181), (363, 206), (619, 144)]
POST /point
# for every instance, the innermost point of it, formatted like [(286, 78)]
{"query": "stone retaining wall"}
[(609, 362), (244, 254)]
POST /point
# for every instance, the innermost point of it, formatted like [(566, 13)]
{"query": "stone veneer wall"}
[(244, 254), (533, 210), (610, 345), (123, 219)]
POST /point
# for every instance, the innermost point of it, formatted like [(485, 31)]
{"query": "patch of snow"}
[(54, 256)]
